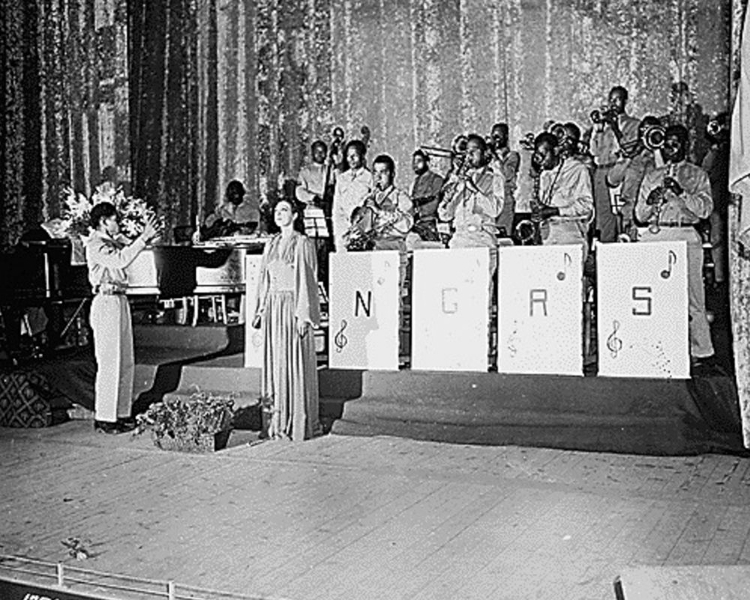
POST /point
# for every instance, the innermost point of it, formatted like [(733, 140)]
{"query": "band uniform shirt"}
[(695, 202), (108, 257), (604, 145), (629, 172), (474, 214), (393, 213), (568, 188), (312, 182), (352, 188), (508, 162), (426, 186)]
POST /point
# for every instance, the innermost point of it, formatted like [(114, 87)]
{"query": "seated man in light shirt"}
[(392, 207), (565, 206), (234, 215), (473, 197)]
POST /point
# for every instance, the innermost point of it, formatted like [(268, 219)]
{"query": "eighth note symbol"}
[(614, 343), (567, 261), (340, 340), (672, 260)]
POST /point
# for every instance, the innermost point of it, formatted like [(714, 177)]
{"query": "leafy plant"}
[(202, 414)]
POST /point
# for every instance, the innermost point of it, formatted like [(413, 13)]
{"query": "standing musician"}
[(506, 161), (565, 205), (311, 192), (425, 192), (108, 254), (613, 129), (674, 198), (353, 186), (473, 198), (630, 169)]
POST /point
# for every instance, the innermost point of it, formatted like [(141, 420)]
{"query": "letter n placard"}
[(364, 306), (642, 313), (540, 302), (450, 309)]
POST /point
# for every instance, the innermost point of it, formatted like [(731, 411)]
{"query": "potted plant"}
[(200, 424)]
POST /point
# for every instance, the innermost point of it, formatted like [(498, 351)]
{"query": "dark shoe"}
[(126, 424), (106, 427)]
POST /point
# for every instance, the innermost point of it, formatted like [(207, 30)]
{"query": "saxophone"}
[(528, 231)]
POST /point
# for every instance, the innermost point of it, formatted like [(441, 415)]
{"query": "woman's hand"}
[(302, 328)]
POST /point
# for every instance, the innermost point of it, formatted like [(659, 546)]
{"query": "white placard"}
[(642, 315), (364, 310), (540, 308), (450, 309), (253, 337)]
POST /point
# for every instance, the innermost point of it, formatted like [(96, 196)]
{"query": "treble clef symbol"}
[(614, 343), (340, 340), (567, 261), (671, 261)]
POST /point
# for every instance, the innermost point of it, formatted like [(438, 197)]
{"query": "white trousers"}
[(115, 363), (701, 345)]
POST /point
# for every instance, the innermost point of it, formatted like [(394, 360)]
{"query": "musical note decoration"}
[(567, 262), (614, 342), (671, 261), (340, 340)]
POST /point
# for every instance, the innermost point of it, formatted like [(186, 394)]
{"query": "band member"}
[(716, 164), (473, 198), (527, 175), (506, 161), (613, 129), (629, 172), (311, 190), (673, 199), (565, 205), (353, 186), (391, 207), (684, 110), (235, 214), (425, 196), (108, 254)]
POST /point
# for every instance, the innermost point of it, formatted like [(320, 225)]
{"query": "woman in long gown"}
[(287, 310)]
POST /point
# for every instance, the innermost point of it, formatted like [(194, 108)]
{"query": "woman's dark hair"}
[(100, 212)]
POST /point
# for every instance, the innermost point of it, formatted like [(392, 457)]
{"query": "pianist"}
[(108, 254), (234, 216)]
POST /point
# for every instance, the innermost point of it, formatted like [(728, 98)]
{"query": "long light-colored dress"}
[(288, 293)]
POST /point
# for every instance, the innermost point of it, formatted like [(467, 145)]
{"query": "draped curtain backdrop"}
[(64, 77)]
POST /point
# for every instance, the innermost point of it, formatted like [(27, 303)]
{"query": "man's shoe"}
[(106, 427), (126, 424)]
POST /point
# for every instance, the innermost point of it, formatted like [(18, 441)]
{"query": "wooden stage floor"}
[(345, 517)]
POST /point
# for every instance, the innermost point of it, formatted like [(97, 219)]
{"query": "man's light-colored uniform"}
[(107, 259), (352, 189)]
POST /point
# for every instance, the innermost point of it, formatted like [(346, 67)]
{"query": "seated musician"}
[(473, 198), (386, 216), (629, 170), (673, 198), (425, 193), (507, 161), (353, 186), (565, 205), (234, 216), (311, 190)]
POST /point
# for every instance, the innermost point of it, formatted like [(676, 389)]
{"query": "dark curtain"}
[(164, 108)]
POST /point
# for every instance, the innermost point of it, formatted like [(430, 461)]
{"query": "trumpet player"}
[(674, 198), (613, 128), (391, 207), (473, 198), (565, 205), (425, 194)]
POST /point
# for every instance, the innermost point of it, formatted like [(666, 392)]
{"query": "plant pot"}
[(205, 443)]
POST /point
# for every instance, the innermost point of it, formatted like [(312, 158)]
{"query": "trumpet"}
[(654, 137), (527, 142), (603, 115)]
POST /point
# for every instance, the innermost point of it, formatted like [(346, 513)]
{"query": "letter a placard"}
[(450, 309), (540, 291), (364, 306), (642, 314)]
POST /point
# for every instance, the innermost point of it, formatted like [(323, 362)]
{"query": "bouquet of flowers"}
[(77, 207)]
